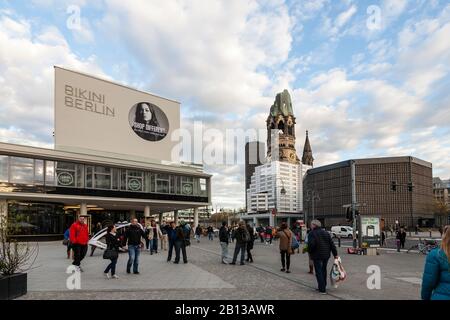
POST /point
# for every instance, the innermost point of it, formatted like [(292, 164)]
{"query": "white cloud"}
[(27, 58)]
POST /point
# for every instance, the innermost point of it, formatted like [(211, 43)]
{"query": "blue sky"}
[(362, 87)]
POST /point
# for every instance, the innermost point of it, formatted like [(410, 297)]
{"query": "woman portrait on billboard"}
[(145, 114)]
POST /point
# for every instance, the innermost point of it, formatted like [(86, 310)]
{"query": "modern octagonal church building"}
[(113, 160)]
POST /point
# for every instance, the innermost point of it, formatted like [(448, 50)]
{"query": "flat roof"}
[(115, 83), (107, 160), (379, 160)]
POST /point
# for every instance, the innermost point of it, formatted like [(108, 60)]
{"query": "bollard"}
[(430, 233), (339, 241), (398, 245)]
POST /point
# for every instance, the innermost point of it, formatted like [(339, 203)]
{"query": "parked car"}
[(342, 231)]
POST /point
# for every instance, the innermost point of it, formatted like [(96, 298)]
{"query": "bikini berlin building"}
[(114, 158)]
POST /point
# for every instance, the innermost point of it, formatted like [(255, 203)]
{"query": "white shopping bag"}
[(337, 273)]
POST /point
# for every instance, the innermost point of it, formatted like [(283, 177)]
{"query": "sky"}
[(367, 78)]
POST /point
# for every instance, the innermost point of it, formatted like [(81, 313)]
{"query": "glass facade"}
[(35, 172), (38, 218)]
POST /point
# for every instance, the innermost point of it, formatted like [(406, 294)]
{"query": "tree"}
[(15, 257), (441, 209)]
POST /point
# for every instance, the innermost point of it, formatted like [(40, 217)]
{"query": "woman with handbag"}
[(112, 251)]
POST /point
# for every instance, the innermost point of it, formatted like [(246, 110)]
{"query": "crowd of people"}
[(318, 244)]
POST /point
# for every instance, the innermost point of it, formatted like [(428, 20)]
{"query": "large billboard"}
[(98, 116)]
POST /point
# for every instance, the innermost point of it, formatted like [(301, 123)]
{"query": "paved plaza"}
[(204, 277)]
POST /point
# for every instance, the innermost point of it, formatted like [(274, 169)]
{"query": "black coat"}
[(242, 235), (112, 241), (223, 235), (134, 235), (320, 245)]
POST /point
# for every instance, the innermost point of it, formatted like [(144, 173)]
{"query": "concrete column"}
[(175, 216), (83, 209), (271, 220), (255, 221), (147, 211), (160, 217), (132, 214), (289, 222), (195, 217)]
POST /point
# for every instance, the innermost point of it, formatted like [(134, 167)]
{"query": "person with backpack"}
[(285, 236), (250, 242), (180, 243), (66, 241), (268, 235), (320, 245), (436, 274), (242, 237)]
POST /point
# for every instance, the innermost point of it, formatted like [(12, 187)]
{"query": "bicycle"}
[(424, 247)]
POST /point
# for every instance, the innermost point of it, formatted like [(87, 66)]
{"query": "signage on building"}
[(65, 179), (134, 185), (97, 116), (187, 188), (148, 121), (371, 231)]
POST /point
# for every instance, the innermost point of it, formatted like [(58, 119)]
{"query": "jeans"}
[(321, 274), (197, 237), (224, 246), (79, 252), (133, 257), (171, 245), (239, 247), (249, 254), (180, 245), (147, 244), (285, 259), (210, 236), (154, 245), (112, 267), (164, 242)]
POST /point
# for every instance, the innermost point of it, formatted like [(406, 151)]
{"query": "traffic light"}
[(349, 215), (394, 185), (410, 186)]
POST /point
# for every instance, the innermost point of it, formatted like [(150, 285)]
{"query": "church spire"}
[(307, 158)]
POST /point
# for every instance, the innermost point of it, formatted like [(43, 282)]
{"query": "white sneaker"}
[(115, 276), (107, 276)]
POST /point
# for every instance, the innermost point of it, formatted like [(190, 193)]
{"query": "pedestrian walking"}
[(250, 242), (154, 235), (320, 245), (112, 251), (134, 237), (198, 233), (436, 275), (383, 238), (180, 243), (224, 240), (285, 238), (164, 238), (210, 233), (66, 241), (242, 237), (401, 237), (260, 231), (305, 249), (171, 236), (268, 232), (79, 237)]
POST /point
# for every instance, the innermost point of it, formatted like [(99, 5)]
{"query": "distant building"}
[(274, 192), (374, 179), (255, 155), (441, 192)]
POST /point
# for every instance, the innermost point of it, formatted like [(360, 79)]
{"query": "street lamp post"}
[(311, 196), (282, 191)]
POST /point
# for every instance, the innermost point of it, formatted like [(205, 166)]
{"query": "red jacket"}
[(79, 233)]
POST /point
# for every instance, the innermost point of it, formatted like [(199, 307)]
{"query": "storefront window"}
[(102, 178), (39, 171), (37, 218), (4, 163), (50, 173), (22, 170)]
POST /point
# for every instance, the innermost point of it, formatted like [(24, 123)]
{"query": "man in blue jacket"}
[(171, 235)]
